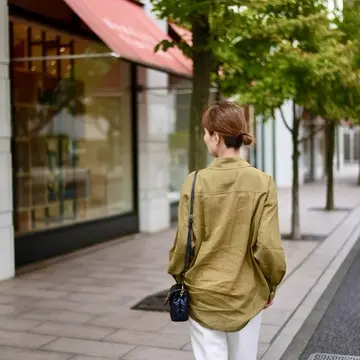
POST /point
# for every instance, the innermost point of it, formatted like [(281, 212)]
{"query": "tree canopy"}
[(270, 52)]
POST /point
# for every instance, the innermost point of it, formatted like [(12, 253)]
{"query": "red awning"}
[(130, 32), (185, 34)]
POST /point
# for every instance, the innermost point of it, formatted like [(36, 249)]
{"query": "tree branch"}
[(303, 139), (284, 121)]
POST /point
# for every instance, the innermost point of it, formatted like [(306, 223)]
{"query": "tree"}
[(215, 27), (302, 51), (349, 25), (197, 16), (338, 97)]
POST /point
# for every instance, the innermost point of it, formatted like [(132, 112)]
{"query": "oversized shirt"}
[(238, 258)]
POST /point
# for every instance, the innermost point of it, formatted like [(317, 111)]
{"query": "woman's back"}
[(236, 241), (237, 255)]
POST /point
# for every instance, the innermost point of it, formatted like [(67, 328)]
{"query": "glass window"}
[(178, 142), (72, 129), (179, 136)]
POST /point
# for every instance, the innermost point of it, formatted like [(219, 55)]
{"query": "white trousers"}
[(217, 345)]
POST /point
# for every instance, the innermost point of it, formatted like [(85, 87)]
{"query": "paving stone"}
[(268, 332), (82, 357), (107, 309), (11, 309), (187, 347), (262, 349), (277, 348), (274, 316), (88, 347), (147, 322), (85, 288), (56, 304), (8, 353), (6, 299), (148, 353), (149, 339), (73, 331), (84, 281), (92, 298), (7, 323), (57, 316), (285, 300), (22, 339), (37, 293), (175, 328), (23, 283)]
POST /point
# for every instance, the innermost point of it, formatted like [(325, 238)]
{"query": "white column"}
[(319, 148), (259, 142), (153, 117), (269, 147), (153, 125), (341, 146), (283, 147), (7, 267)]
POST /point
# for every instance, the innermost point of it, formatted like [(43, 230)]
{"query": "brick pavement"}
[(78, 307)]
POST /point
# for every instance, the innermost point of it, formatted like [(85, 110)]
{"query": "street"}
[(336, 336)]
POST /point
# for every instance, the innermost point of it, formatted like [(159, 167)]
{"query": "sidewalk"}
[(79, 307)]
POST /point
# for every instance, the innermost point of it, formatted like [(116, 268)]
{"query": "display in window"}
[(72, 129)]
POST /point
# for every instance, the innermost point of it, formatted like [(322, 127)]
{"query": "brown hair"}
[(228, 120)]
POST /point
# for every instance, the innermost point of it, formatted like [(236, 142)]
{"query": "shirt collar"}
[(228, 163)]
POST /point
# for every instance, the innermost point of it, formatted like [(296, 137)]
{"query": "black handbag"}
[(178, 297)]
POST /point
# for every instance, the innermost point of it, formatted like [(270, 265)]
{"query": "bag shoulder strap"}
[(190, 225)]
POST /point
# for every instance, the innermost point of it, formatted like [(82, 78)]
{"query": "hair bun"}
[(246, 139)]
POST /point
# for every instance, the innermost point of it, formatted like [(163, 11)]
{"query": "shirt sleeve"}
[(269, 252), (177, 253)]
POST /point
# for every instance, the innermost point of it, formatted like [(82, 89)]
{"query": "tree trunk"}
[(329, 163), (312, 148), (295, 206), (202, 66)]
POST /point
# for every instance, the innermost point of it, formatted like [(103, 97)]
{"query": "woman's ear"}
[(216, 138)]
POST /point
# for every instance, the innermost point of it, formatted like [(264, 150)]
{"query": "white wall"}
[(280, 158), (153, 123), (7, 269), (259, 143), (283, 149), (268, 165), (340, 147)]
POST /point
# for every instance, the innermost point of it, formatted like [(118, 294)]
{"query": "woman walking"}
[(237, 255)]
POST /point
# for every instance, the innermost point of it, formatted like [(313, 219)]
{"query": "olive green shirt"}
[(238, 255)]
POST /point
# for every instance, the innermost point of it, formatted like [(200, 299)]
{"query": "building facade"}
[(89, 114), (94, 127), (272, 152)]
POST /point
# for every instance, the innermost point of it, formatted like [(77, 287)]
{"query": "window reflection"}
[(178, 143), (179, 136), (72, 130)]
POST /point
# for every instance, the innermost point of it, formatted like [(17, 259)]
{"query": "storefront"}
[(179, 133), (83, 92)]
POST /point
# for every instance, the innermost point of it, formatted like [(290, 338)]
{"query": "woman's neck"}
[(228, 152)]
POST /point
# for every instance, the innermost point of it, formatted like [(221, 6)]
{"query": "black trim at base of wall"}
[(174, 211), (38, 246)]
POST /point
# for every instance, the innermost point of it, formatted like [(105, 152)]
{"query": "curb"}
[(336, 252), (299, 343)]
